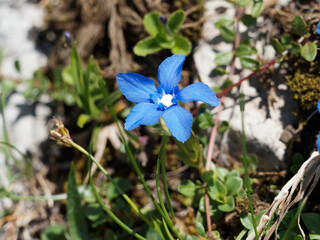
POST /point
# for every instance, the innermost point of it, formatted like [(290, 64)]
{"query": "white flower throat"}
[(166, 100)]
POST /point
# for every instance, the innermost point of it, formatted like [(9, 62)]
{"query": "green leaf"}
[(286, 40), (243, 49), (83, 119), (312, 220), (77, 72), (205, 119), (147, 46), (277, 45), (217, 189), (182, 46), (299, 27), (309, 51), (234, 185), (187, 188), (76, 219), (257, 9), (93, 211), (112, 192), (200, 229), (297, 161), (175, 21), (246, 220), (245, 3), (224, 126), (228, 206), (208, 177), (250, 63), (17, 66), (190, 153), (152, 24), (223, 58), (220, 71), (227, 33), (248, 20), (54, 232), (296, 49), (67, 76)]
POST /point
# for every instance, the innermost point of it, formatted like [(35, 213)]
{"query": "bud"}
[(67, 38), (163, 20), (61, 135)]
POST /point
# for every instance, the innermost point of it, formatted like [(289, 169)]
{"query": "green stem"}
[(162, 158), (245, 165), (110, 213), (135, 164), (162, 152), (293, 221), (14, 197), (125, 196)]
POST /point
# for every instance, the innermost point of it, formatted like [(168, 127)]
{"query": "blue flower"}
[(318, 143), (162, 101), (318, 28)]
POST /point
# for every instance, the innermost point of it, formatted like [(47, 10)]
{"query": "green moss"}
[(305, 84)]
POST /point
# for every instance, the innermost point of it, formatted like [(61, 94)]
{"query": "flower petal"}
[(318, 143), (198, 92), (318, 28), (142, 114), (179, 122), (319, 106), (169, 72), (136, 88)]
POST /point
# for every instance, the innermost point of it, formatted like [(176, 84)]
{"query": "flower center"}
[(166, 100)]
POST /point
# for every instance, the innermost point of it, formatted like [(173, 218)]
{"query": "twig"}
[(215, 128), (263, 68)]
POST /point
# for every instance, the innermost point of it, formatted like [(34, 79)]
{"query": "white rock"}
[(264, 121), (17, 18), (26, 122)]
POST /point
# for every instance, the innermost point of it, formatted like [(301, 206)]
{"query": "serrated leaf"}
[(182, 46), (250, 63), (147, 46), (257, 9), (187, 188), (299, 27), (223, 58), (152, 24), (233, 185), (175, 21), (76, 219), (309, 51), (277, 45), (228, 206)]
